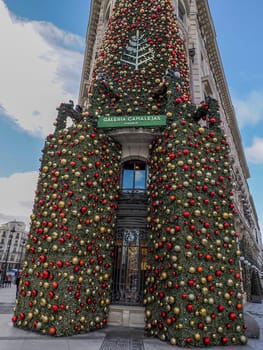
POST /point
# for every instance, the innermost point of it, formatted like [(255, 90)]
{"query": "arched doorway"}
[(130, 237)]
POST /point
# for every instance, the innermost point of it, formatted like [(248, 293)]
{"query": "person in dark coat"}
[(17, 283)]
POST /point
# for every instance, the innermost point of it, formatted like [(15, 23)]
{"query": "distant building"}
[(12, 244), (207, 78)]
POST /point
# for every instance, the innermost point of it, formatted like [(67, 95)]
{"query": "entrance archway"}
[(130, 237)]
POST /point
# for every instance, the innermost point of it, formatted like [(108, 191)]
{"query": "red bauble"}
[(55, 308), (200, 325), (83, 209), (218, 273), (60, 264), (212, 120), (224, 340), (52, 331), (51, 294), (188, 340), (34, 293), (27, 284), (207, 341), (14, 319), (189, 307), (232, 316), (163, 314), (220, 308), (161, 295), (169, 245)]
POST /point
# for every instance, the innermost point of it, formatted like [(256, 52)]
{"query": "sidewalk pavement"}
[(120, 338)]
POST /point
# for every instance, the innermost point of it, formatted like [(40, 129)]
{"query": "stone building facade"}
[(12, 245), (207, 79)]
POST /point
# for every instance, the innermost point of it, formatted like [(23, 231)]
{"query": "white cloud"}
[(249, 110), (17, 196), (254, 153), (40, 67), (57, 37)]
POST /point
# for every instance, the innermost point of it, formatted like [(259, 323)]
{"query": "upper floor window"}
[(134, 176), (181, 11)]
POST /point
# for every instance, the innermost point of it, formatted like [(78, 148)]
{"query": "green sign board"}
[(131, 121)]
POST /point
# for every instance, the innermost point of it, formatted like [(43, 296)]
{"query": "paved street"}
[(111, 338)]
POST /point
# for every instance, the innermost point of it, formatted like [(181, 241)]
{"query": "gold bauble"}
[(197, 336), (164, 275), (238, 328), (173, 341), (208, 319), (82, 319), (191, 297), (203, 280), (227, 296), (203, 312), (176, 310), (96, 218), (225, 215), (230, 283), (75, 260), (45, 169), (36, 312), (188, 254), (61, 204), (148, 313), (44, 319), (39, 325), (211, 301), (71, 278), (43, 302), (243, 339), (171, 300), (54, 248)]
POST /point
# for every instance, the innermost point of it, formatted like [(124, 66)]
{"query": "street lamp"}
[(7, 253)]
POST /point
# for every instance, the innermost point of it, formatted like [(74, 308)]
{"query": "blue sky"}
[(42, 48)]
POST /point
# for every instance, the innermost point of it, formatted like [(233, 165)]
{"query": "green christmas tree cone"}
[(66, 277), (141, 52), (192, 292)]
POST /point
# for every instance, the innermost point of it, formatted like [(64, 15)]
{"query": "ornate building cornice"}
[(90, 39), (208, 31)]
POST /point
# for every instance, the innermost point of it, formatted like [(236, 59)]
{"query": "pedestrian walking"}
[(17, 284), (9, 281), (6, 281)]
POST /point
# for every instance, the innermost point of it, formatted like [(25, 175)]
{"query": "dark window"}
[(181, 12), (134, 176)]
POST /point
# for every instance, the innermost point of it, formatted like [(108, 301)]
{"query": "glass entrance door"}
[(129, 266)]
